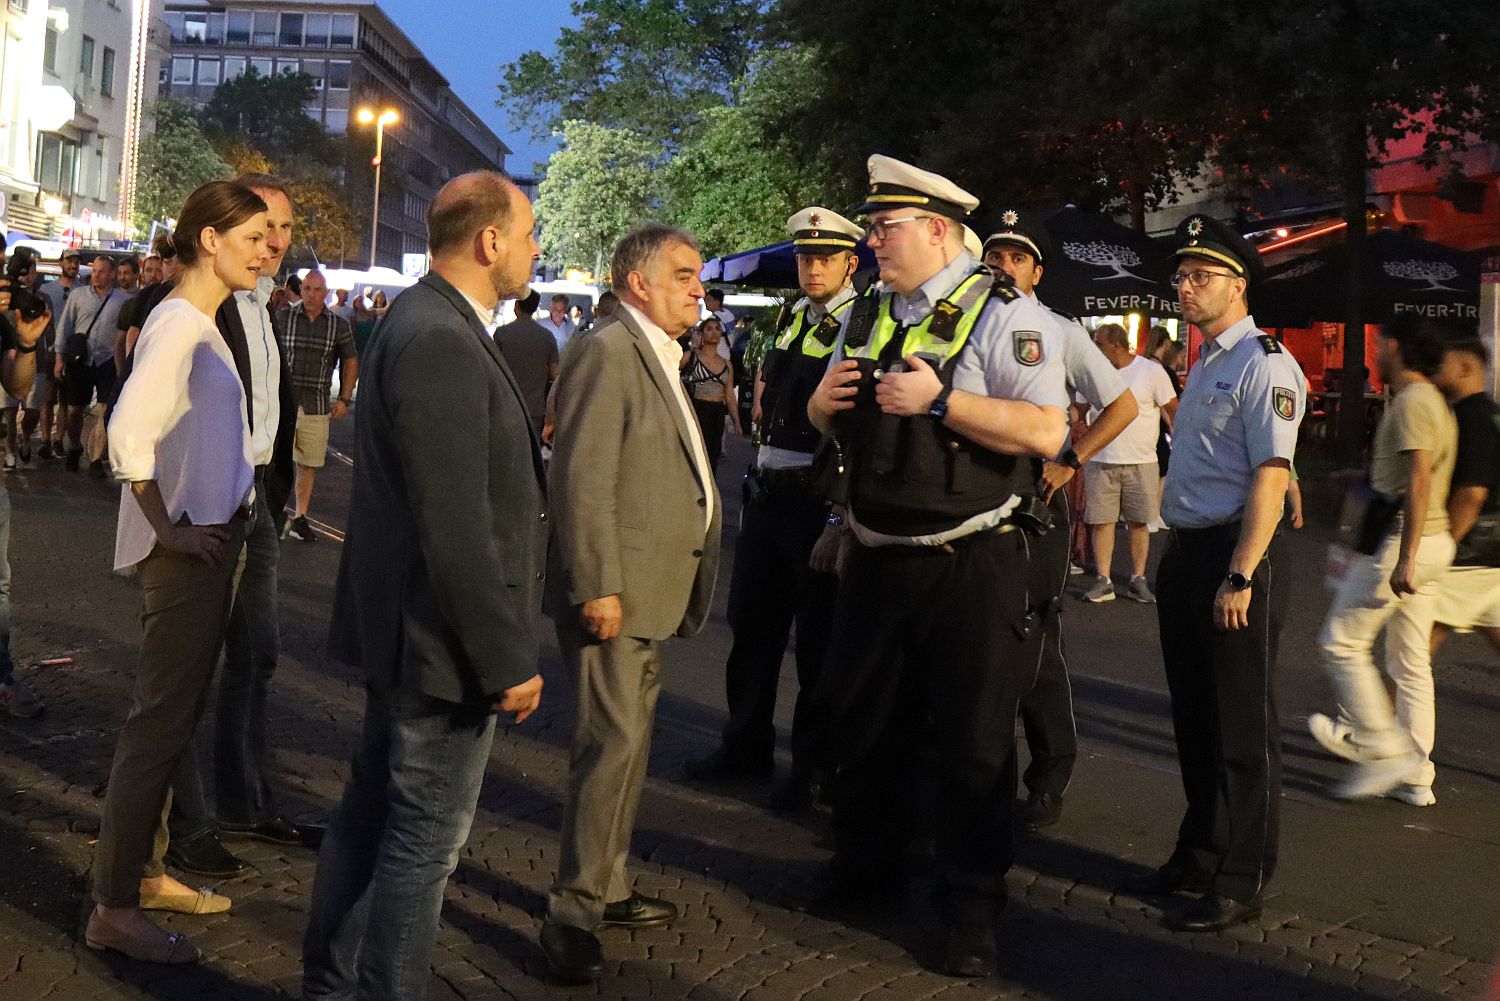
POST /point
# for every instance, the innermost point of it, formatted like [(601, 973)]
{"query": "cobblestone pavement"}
[(1372, 900)]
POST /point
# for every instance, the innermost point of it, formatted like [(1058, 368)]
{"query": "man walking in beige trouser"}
[(636, 523)]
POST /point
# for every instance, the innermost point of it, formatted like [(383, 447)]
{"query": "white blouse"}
[(180, 421)]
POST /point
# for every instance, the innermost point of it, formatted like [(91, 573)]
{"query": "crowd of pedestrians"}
[(909, 511)]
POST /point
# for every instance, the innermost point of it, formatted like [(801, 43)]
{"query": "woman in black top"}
[(709, 380)]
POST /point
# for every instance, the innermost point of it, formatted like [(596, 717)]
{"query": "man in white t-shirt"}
[(1121, 479)]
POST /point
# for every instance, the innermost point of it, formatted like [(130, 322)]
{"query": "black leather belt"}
[(786, 479)]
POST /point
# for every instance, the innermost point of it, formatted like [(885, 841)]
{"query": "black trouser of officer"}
[(772, 587), (1224, 709), (942, 633), (1047, 710)]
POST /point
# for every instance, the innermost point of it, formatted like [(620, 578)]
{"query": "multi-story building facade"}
[(64, 78), (358, 58)]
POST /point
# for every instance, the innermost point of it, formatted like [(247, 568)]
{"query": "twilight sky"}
[(469, 40)]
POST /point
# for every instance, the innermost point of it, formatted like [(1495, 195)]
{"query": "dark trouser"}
[(1047, 710), (250, 650), (393, 842), (929, 632), (186, 610), (772, 587), (7, 665), (711, 418), (1224, 709)]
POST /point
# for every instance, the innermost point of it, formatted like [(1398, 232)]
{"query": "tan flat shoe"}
[(202, 901), (161, 947)]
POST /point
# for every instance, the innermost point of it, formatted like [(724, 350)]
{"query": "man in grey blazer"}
[(636, 522), (439, 596)]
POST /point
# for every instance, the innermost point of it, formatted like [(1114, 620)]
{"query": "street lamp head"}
[(53, 206), (364, 116), (389, 117)]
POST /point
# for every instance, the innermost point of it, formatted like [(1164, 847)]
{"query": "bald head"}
[(466, 205)]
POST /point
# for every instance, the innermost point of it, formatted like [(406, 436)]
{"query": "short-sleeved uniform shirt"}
[(1240, 409), (1417, 420), (1478, 460), (1089, 374)]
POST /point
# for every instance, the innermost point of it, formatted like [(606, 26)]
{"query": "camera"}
[(21, 263)]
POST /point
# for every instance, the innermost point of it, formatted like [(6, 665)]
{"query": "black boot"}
[(74, 460)]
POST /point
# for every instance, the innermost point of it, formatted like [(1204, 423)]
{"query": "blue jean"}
[(251, 647), (392, 844), (7, 666)]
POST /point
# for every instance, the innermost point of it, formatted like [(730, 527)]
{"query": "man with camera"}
[(23, 317), (85, 362)]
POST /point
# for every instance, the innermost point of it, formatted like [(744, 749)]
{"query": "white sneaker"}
[(1412, 794), (1336, 736), (1377, 776)]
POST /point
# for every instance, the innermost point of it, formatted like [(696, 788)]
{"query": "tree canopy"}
[(601, 183), (175, 158)]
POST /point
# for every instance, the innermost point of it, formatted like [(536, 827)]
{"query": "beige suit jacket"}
[(627, 501)]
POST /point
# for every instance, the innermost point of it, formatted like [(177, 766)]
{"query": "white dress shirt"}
[(265, 368), (669, 356), (180, 421)]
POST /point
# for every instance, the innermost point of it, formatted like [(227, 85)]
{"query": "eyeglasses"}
[(881, 230), (1198, 279)]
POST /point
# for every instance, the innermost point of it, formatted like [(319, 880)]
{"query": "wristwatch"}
[(1237, 580), (835, 519), (1070, 459), (938, 411)]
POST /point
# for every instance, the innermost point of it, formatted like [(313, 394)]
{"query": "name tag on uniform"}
[(1223, 385)]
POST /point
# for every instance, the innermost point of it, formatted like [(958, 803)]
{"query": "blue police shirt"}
[(1089, 374), (1240, 408)]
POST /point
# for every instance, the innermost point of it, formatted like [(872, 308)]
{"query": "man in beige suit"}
[(635, 555)]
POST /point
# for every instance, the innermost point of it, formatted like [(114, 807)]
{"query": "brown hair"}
[(163, 247), (217, 205), (257, 181), (464, 206)]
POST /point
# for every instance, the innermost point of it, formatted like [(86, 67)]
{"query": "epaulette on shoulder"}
[(1066, 316), (1269, 344), (1004, 289)]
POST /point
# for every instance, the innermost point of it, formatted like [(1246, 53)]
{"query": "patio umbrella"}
[(1400, 274), (774, 266), (13, 236), (1101, 268)]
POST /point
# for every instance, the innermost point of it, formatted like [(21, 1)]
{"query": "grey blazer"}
[(627, 500), (440, 584)]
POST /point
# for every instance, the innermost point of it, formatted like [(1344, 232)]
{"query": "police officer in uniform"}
[(775, 581), (1222, 587), (930, 406), (1017, 244)]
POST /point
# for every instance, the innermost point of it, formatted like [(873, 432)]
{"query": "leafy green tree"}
[(266, 113), (324, 221), (650, 65), (598, 185), (175, 158)]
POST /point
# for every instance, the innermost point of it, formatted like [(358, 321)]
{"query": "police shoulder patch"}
[(1029, 347), (1285, 402), (1269, 344)]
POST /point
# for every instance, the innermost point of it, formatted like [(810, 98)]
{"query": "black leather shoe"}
[(311, 835), (276, 831), (574, 954), (204, 856), (969, 951), (721, 767), (1170, 878), (1041, 810), (1213, 912), (639, 911), (795, 795)]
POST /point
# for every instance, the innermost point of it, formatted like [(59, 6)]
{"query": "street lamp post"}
[(387, 117)]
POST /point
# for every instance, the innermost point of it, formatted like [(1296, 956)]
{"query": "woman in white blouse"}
[(180, 445)]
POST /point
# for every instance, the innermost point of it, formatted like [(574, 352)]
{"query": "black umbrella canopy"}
[(1101, 267), (1400, 274)]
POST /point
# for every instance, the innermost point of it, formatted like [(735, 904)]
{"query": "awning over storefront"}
[(1399, 274)]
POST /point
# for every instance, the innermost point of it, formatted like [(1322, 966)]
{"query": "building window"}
[(287, 66), (336, 121), (208, 72), (56, 164), (233, 66), (344, 27), (49, 51), (314, 69), (317, 30), (100, 178), (194, 28), (86, 57), (215, 33), (263, 31), (239, 27), (261, 66), (174, 22), (291, 30), (107, 73), (314, 109), (182, 70), (338, 74)]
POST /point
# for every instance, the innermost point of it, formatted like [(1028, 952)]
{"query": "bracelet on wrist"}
[(22, 350)]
